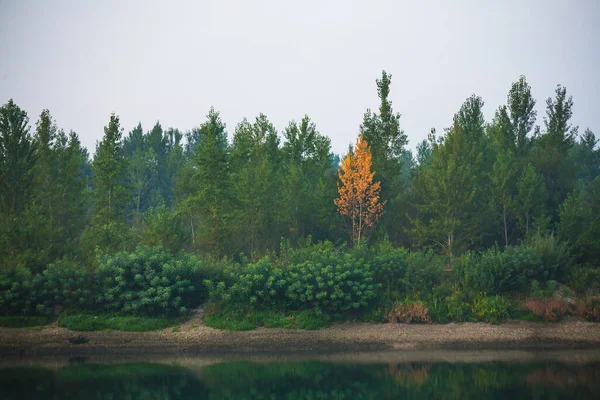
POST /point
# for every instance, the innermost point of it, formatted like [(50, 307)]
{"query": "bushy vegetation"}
[(481, 224), (149, 281), (306, 286)]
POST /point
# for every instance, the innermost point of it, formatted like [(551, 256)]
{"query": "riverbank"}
[(194, 338)]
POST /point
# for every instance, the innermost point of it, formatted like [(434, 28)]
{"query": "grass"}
[(243, 320), (98, 322), (21, 321)]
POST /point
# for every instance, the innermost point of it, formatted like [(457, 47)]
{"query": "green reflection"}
[(303, 380)]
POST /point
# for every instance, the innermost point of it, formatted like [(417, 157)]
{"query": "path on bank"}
[(194, 337)]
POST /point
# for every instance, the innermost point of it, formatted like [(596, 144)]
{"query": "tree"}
[(531, 197), (522, 114), (256, 186), (212, 182), (110, 192), (308, 180), (109, 168), (386, 139), (551, 149), (502, 183), (359, 195), (580, 222), (450, 189), (17, 159)]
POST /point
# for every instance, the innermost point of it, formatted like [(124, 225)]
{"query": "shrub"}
[(328, 281), (149, 281), (256, 284), (458, 308), (550, 309), (402, 273), (584, 277), (590, 309), (19, 292), (65, 284), (408, 312), (541, 291), (494, 271), (337, 283), (493, 309), (555, 258)]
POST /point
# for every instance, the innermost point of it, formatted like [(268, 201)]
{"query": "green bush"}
[(327, 281), (494, 309), (20, 292), (65, 284), (555, 259), (495, 272), (584, 277), (149, 281), (406, 273), (336, 284)]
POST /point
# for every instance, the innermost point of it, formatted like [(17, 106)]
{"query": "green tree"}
[(386, 139), (502, 185), (580, 222), (448, 205), (108, 179), (522, 114), (308, 181), (552, 147), (530, 202), (110, 192), (211, 176), (256, 186), (17, 159)]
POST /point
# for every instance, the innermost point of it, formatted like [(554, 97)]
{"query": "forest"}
[(488, 221)]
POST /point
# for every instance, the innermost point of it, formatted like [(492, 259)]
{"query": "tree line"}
[(479, 184)]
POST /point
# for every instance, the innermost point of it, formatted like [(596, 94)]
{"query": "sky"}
[(172, 60)]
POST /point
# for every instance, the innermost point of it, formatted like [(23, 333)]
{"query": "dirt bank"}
[(195, 338)]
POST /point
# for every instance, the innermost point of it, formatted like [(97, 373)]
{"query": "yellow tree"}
[(359, 196)]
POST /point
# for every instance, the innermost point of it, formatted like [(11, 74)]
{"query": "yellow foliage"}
[(359, 195)]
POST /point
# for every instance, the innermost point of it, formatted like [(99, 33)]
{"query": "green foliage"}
[(149, 281), (19, 292), (583, 277), (327, 281), (162, 227), (554, 256), (541, 291), (494, 271), (66, 284), (580, 222), (402, 274), (493, 309), (84, 321)]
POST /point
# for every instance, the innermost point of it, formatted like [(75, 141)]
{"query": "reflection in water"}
[(303, 380)]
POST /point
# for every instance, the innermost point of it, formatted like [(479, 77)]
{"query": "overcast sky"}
[(172, 60)]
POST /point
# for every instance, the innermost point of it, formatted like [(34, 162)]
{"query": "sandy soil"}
[(195, 338)]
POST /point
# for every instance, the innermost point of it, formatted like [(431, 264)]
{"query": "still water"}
[(79, 378)]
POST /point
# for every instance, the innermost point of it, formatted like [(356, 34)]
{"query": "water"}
[(369, 377)]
